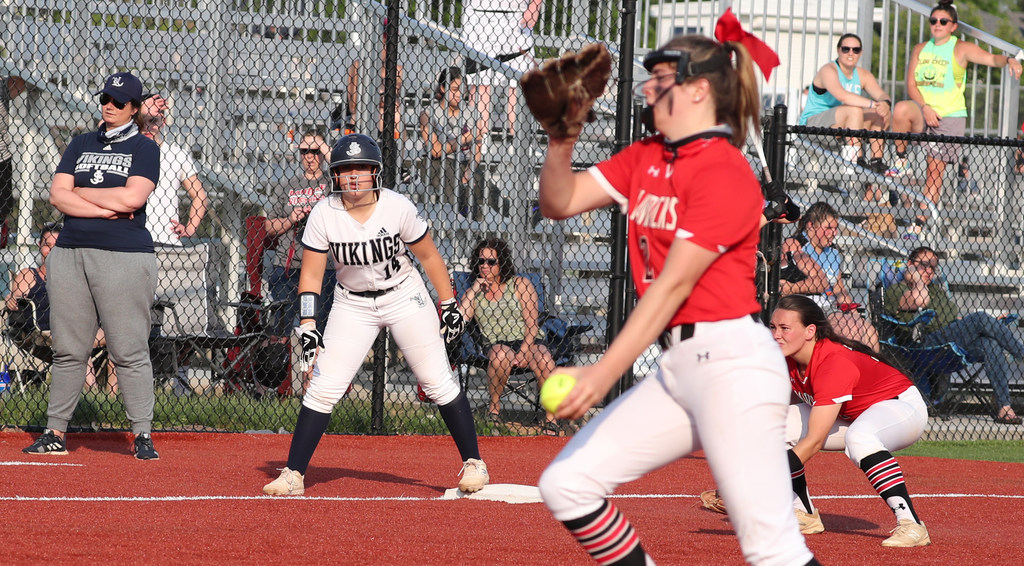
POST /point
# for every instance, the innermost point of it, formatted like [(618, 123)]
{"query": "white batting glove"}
[(310, 339)]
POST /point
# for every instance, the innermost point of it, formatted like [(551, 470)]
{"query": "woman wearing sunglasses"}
[(286, 223), (936, 79), (845, 96), (102, 266), (505, 307)]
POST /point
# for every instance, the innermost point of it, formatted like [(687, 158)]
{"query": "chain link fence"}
[(890, 194), (255, 90), (248, 99)]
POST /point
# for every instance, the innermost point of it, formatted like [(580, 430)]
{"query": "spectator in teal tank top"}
[(505, 307), (845, 96)]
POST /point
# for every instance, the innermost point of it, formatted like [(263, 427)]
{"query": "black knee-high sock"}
[(796, 473), (608, 536), (308, 430), (458, 417), (886, 476)]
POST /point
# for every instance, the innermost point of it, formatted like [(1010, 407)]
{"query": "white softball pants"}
[(353, 325), (888, 425), (724, 390)]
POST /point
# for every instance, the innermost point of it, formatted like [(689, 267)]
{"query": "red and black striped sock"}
[(608, 537), (796, 473), (886, 476)]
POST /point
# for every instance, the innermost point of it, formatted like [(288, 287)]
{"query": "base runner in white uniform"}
[(369, 232), (693, 209)]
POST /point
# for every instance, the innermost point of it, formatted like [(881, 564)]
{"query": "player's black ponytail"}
[(810, 313)]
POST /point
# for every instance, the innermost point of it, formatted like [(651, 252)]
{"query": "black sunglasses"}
[(943, 21), (107, 99), (847, 49), (489, 261), (309, 151)]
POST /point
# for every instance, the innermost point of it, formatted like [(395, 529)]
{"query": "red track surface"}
[(199, 528)]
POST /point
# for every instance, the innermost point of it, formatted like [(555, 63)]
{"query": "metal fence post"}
[(771, 236), (623, 137)]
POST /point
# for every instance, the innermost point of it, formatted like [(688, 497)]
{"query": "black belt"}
[(371, 294), (674, 335)]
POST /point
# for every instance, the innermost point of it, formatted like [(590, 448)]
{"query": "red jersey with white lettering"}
[(707, 194), (839, 375)]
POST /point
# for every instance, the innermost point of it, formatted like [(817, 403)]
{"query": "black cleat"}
[(48, 443), (144, 448)]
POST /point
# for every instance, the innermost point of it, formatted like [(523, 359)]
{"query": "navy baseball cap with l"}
[(123, 87)]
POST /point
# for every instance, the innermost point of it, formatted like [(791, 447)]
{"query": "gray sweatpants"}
[(86, 286)]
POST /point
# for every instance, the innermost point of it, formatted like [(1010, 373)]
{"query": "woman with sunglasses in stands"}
[(978, 333), (102, 267), (505, 307), (845, 96), (936, 80), (286, 222)]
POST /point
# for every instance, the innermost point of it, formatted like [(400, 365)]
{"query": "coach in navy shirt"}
[(103, 267)]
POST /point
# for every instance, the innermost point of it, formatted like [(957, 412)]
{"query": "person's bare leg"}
[(933, 182), (499, 367)]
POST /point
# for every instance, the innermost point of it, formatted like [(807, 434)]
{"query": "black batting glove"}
[(778, 205), (452, 321), (310, 339)]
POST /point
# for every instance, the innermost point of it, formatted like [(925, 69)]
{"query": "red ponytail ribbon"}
[(728, 28)]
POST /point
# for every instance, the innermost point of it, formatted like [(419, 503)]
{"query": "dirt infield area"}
[(379, 500)]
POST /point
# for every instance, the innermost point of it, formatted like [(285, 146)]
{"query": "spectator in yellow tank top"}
[(937, 106)]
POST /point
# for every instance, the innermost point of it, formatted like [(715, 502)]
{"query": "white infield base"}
[(504, 492)]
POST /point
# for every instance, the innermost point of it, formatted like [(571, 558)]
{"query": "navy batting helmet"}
[(356, 149)]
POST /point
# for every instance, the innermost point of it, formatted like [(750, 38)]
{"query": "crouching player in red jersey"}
[(850, 401), (693, 207), (844, 399)]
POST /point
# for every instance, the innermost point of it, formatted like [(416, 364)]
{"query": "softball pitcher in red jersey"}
[(694, 210)]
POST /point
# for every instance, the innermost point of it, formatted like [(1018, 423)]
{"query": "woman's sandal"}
[(552, 428), (1007, 419)]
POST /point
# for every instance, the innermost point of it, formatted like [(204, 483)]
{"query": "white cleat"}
[(474, 476), (907, 534), (288, 483)]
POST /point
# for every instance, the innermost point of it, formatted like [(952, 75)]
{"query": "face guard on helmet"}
[(684, 70), (356, 149)]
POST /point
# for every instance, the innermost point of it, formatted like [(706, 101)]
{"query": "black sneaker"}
[(877, 165), (48, 443), (144, 447)]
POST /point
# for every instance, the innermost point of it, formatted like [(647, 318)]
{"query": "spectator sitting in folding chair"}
[(29, 284), (979, 333), (815, 236), (505, 307)]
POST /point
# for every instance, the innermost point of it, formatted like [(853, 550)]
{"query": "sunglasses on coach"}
[(943, 21), (107, 99), (488, 260), (309, 151), (847, 49)]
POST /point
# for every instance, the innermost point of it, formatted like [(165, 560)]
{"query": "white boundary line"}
[(39, 464), (173, 498)]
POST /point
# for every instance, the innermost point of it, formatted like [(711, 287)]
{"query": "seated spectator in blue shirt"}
[(30, 284)]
